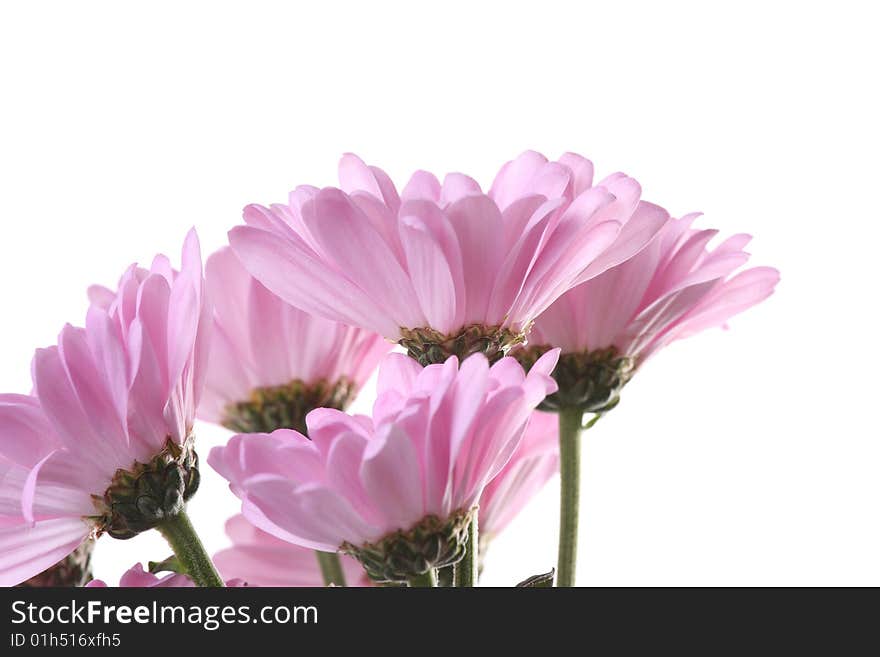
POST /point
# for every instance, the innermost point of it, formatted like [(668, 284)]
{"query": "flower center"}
[(431, 543), (286, 406), (429, 347)]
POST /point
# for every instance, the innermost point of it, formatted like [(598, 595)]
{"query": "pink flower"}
[(260, 559), (405, 481), (532, 465), (272, 363), (137, 577), (673, 288), (144, 350), (120, 392), (445, 269)]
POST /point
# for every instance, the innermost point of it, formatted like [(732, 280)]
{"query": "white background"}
[(741, 457)]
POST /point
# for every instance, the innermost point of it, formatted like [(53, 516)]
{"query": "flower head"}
[(674, 288), (445, 268), (261, 559), (396, 490), (532, 465), (112, 410), (270, 362)]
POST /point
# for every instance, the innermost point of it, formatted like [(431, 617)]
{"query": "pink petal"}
[(342, 230), (25, 433), (299, 278), (645, 223), (354, 175), (478, 226), (431, 277), (423, 185), (582, 172), (391, 476), (26, 551), (457, 186)]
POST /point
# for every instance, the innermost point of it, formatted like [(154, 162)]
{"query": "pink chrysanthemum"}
[(111, 401), (261, 559), (397, 490), (675, 287), (271, 363), (445, 268)]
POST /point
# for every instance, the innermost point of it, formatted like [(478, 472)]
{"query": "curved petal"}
[(27, 550)]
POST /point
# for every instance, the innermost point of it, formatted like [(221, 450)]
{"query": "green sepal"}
[(432, 543), (286, 406), (542, 581), (429, 347), (168, 565), (140, 498), (589, 381)]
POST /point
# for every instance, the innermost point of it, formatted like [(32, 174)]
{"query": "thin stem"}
[(425, 579), (331, 568), (182, 538), (570, 475), (467, 569)]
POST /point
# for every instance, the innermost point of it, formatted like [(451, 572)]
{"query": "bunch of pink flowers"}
[(518, 312)]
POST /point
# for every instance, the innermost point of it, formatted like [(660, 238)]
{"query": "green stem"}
[(182, 538), (570, 475), (467, 570), (331, 568), (425, 579)]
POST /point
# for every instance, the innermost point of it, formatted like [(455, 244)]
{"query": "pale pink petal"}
[(746, 289), (528, 174), (354, 175), (392, 478), (533, 463), (25, 433), (436, 222), (423, 185), (100, 405), (582, 172), (457, 186), (61, 405), (27, 550), (398, 372), (645, 223), (298, 277), (261, 559), (478, 225), (101, 296), (430, 274), (342, 229)]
